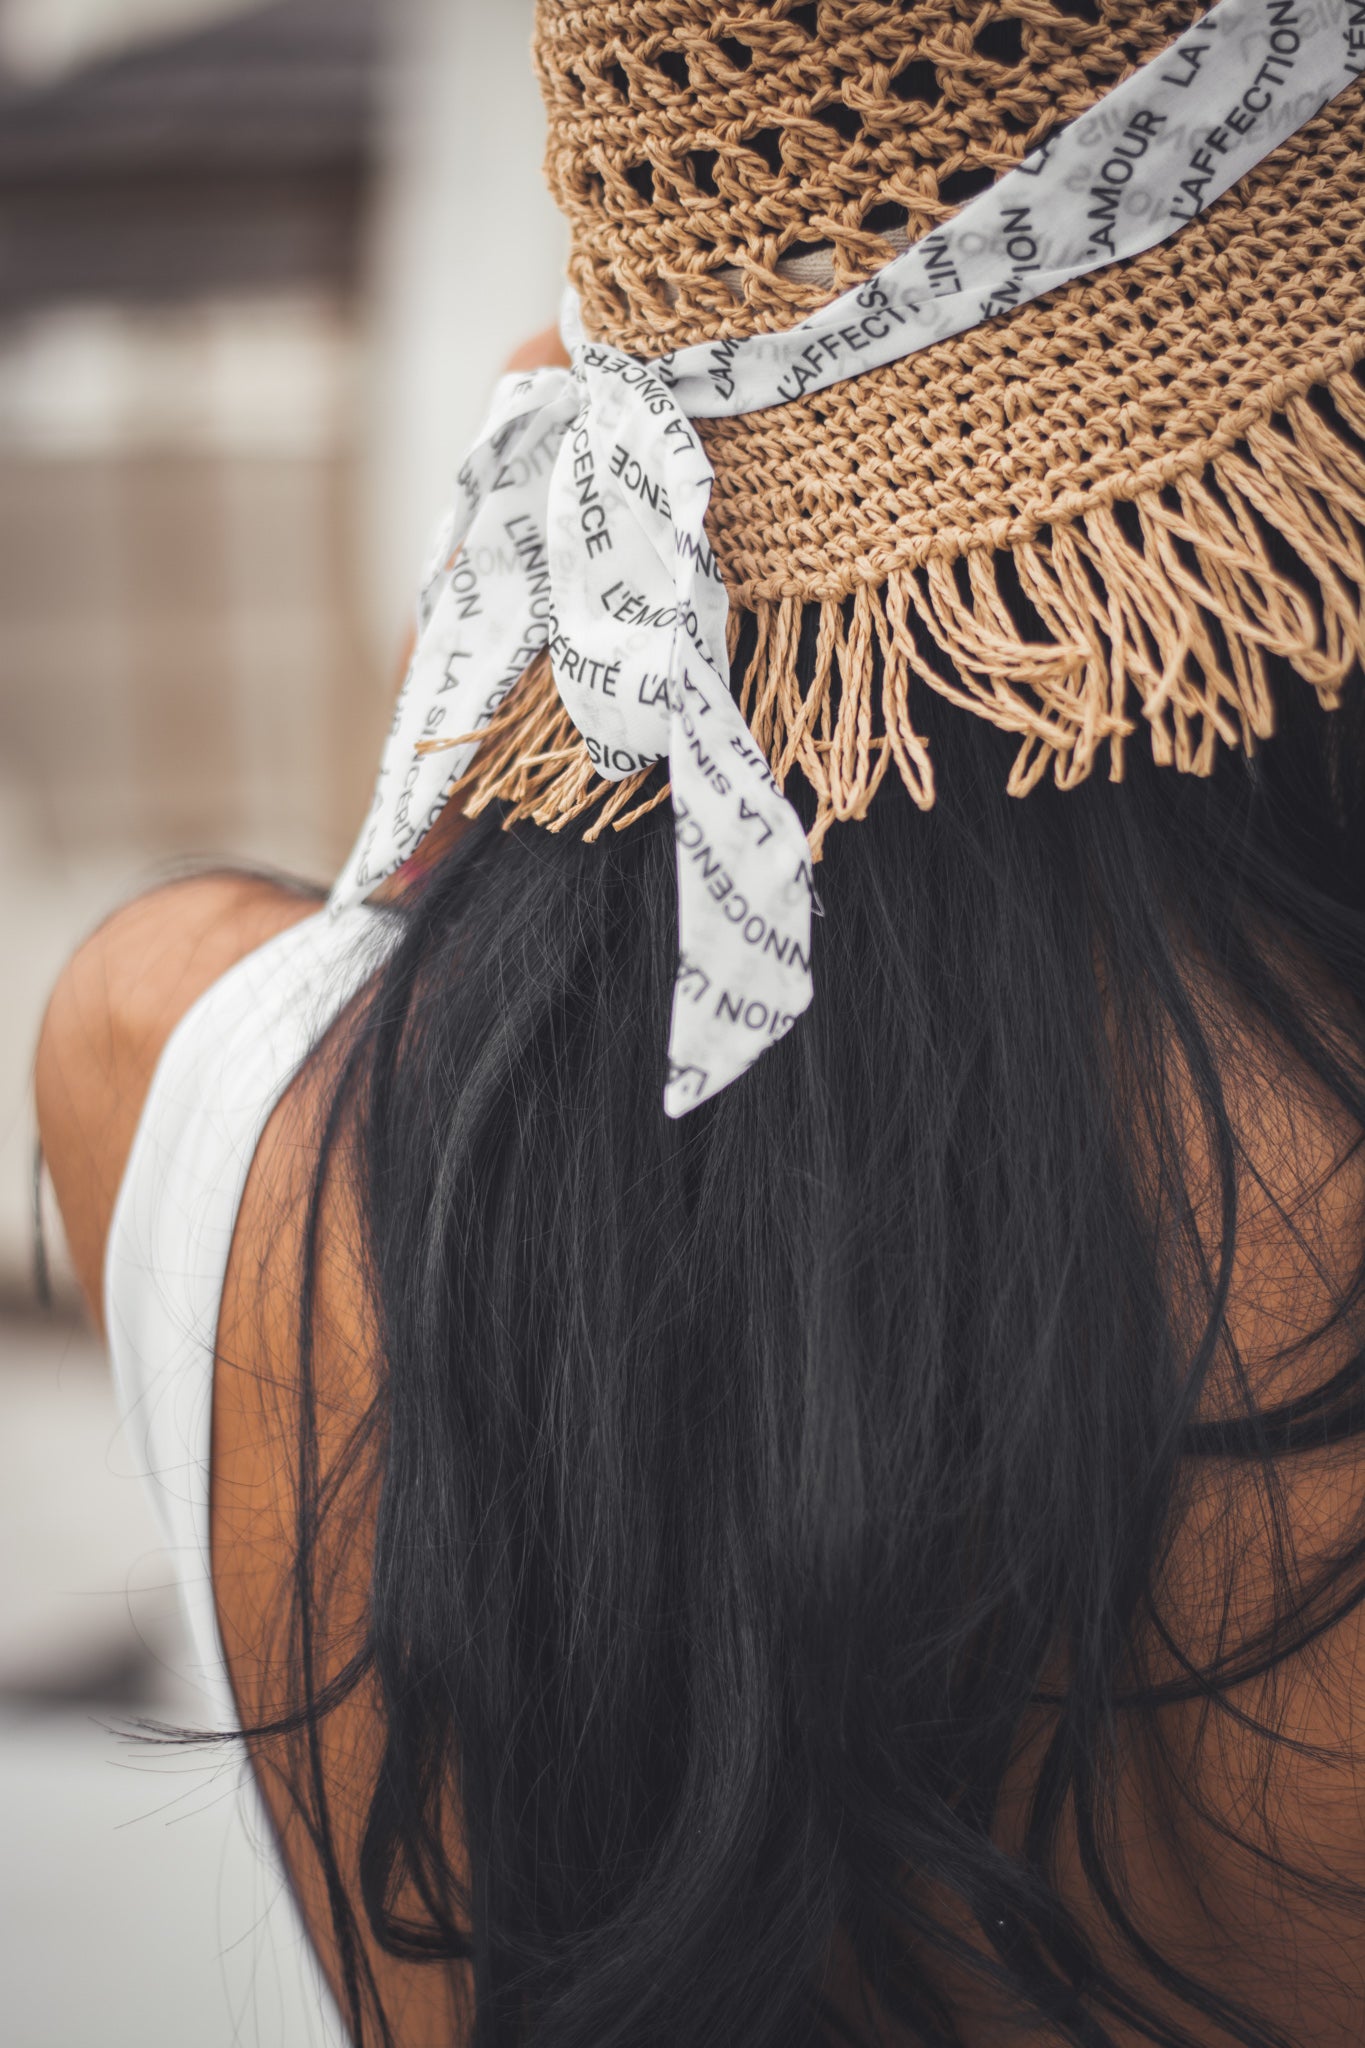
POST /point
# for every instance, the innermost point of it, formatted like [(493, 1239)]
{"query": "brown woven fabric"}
[(1131, 377), (1069, 519), (688, 140)]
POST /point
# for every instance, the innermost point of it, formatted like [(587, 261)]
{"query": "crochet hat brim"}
[(1073, 520)]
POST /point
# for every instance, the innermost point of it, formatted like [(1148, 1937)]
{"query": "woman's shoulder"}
[(111, 1016)]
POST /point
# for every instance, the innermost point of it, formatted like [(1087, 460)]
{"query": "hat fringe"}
[(1163, 609)]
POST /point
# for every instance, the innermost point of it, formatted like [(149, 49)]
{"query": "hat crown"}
[(725, 169)]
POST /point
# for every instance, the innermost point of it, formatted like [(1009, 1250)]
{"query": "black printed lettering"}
[(786, 950), (1004, 298), (1355, 37), (631, 472), (637, 377), (742, 745), (718, 368), (632, 609), (592, 513), (618, 761), (754, 1015), (1036, 162), (1116, 174), (689, 1080), (695, 548), (692, 981), (1205, 173), (706, 765), (818, 363), (939, 266), (1021, 244), (452, 677), (464, 588), (1190, 56), (584, 670)]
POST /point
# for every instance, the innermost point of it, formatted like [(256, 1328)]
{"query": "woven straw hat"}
[(1099, 513)]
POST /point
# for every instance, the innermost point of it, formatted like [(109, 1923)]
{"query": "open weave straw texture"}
[(1073, 521)]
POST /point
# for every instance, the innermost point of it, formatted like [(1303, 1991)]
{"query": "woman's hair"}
[(755, 1486)]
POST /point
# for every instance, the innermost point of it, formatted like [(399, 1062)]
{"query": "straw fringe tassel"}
[(1160, 611)]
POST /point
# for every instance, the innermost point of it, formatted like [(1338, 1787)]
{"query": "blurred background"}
[(259, 265)]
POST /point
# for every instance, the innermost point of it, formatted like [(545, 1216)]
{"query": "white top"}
[(225, 1068)]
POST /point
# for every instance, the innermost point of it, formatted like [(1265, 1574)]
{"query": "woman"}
[(805, 1482)]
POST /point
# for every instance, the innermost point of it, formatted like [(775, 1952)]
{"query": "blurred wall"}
[(468, 260), (43, 38), (185, 671), (259, 268)]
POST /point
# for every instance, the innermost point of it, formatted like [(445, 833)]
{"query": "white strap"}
[(579, 520)]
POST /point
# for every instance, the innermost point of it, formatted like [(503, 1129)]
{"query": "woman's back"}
[(809, 1496)]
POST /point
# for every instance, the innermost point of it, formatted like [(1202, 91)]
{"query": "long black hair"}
[(755, 1487)]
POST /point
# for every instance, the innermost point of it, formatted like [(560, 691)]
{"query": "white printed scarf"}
[(579, 523)]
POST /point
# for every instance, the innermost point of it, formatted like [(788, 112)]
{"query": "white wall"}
[(468, 261), (42, 38)]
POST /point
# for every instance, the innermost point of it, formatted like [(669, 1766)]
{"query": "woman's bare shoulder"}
[(113, 1009)]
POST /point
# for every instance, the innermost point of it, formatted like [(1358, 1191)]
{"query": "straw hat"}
[(1100, 512)]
